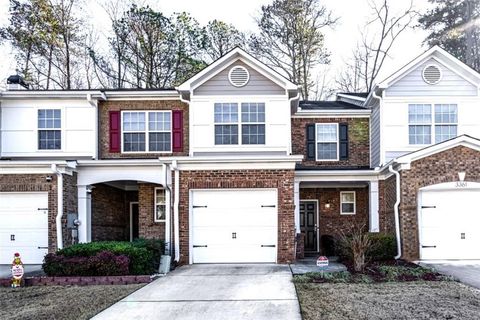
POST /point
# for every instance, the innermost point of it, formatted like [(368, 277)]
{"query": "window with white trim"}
[(347, 202), (226, 123), (49, 129), (446, 119), (253, 123), (141, 136), (421, 118), (160, 205), (327, 141)]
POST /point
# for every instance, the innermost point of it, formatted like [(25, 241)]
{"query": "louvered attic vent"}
[(238, 76), (432, 74)]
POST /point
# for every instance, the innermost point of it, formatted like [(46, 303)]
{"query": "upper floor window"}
[(327, 141), (228, 126), (146, 131), (49, 129), (421, 121)]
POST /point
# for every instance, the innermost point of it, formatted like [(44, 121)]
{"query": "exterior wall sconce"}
[(327, 205), (461, 176)]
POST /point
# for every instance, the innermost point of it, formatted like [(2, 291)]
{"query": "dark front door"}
[(308, 224), (134, 215)]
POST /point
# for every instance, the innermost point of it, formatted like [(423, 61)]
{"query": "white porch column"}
[(84, 228), (296, 202), (374, 222)]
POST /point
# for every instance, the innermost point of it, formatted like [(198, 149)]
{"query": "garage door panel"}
[(450, 224), (231, 226), (23, 227)]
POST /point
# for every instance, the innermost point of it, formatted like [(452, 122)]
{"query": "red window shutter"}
[(177, 130), (114, 131)]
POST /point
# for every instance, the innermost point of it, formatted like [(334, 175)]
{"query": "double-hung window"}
[(421, 118), (445, 122), (420, 123), (226, 123), (49, 129), (228, 126), (161, 206), (253, 123), (146, 131), (327, 141), (347, 202)]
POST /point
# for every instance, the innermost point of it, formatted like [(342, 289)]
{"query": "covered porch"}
[(329, 203)]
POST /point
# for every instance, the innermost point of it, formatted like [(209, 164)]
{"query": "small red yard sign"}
[(322, 262)]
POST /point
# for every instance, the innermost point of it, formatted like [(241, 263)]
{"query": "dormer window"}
[(49, 129)]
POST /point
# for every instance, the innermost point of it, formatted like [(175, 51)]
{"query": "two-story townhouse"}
[(425, 126), (207, 167)]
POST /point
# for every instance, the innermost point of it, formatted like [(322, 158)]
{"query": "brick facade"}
[(331, 222), (148, 228), (358, 144), (387, 194), (438, 168), (282, 180), (105, 107), (39, 183)]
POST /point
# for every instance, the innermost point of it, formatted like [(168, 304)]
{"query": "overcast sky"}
[(340, 40)]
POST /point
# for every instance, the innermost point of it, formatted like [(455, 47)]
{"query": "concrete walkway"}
[(255, 291), (466, 271), (30, 270)]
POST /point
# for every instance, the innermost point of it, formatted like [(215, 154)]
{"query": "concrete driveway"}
[(255, 291), (466, 271)]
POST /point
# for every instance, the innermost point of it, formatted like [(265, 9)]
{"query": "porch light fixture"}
[(327, 205)]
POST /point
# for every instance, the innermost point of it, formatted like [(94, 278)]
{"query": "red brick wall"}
[(331, 222), (110, 214), (70, 204), (358, 141), (282, 180), (438, 168), (148, 228), (387, 197), (103, 120), (38, 183)]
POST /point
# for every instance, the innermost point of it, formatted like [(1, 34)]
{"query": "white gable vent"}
[(238, 76), (432, 74)]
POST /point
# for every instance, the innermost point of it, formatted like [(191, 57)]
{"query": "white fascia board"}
[(123, 162), (35, 167), (51, 94), (336, 175), (332, 113), (142, 95)]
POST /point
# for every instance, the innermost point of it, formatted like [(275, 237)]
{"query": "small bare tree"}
[(357, 241)]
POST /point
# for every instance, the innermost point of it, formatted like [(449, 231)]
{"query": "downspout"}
[(58, 218), (289, 147), (168, 239), (379, 98), (176, 201), (397, 204)]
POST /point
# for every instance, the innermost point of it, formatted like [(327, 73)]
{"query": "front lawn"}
[(53, 302), (388, 300)]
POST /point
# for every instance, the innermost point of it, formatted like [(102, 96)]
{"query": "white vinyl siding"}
[(146, 131), (326, 141)]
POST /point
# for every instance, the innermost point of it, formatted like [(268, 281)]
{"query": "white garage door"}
[(450, 224), (234, 226), (23, 226)]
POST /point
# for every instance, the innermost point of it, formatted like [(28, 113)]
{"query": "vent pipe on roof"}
[(16, 82)]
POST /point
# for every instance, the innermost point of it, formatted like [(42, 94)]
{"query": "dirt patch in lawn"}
[(54, 302), (406, 300)]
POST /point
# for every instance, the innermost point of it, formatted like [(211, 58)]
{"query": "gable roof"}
[(440, 55), (463, 140), (328, 105), (230, 58)]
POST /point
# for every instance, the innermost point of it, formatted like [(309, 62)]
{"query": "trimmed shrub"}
[(384, 247), (140, 258), (104, 263), (155, 246)]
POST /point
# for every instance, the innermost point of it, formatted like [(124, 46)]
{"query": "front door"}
[(308, 224), (133, 221)]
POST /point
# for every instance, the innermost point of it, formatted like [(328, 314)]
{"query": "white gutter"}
[(397, 218), (289, 147), (176, 225), (58, 218)]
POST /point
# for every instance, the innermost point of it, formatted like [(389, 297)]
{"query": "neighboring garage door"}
[(23, 226), (450, 224), (234, 226)]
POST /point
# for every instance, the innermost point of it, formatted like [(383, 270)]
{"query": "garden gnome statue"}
[(17, 270)]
